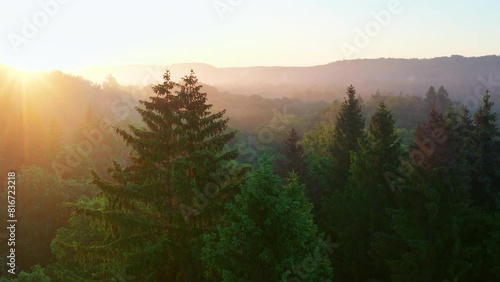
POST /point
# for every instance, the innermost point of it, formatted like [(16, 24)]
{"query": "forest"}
[(178, 181)]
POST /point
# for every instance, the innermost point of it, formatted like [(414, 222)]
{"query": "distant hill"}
[(32, 102), (460, 75)]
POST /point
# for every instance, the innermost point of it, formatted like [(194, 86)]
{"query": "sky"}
[(72, 34)]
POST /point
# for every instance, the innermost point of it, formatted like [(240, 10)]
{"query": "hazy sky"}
[(77, 33)]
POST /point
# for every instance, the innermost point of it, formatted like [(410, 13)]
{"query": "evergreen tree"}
[(267, 234), (442, 101), (430, 99), (71, 248), (40, 208), (486, 173), (432, 207), (481, 150), (466, 131), (319, 178), (93, 146), (348, 128), (181, 175), (37, 275), (494, 244), (293, 160), (358, 213)]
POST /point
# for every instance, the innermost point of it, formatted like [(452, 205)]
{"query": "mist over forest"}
[(461, 76), (357, 164), (249, 141)]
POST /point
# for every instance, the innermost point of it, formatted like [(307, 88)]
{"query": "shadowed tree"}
[(156, 209), (486, 166), (359, 213), (293, 160), (432, 208), (267, 234), (348, 128)]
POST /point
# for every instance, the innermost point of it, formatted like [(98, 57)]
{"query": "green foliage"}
[(72, 244), (438, 101), (316, 145), (267, 234), (293, 157), (158, 213), (486, 165), (37, 275), (494, 243), (348, 128), (432, 209), (156, 209), (357, 215), (40, 211)]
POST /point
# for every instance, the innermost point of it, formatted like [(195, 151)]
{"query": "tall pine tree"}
[(359, 212), (486, 173), (293, 157), (267, 234), (348, 128), (432, 207), (157, 208), (430, 99)]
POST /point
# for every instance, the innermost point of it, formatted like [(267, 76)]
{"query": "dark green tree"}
[(293, 157), (432, 208), (486, 166), (430, 99), (494, 244), (358, 214), (180, 176), (481, 145), (442, 101), (37, 275), (267, 234), (348, 128), (319, 178), (41, 212), (72, 244)]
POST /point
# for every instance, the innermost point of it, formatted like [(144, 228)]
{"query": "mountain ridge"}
[(462, 76)]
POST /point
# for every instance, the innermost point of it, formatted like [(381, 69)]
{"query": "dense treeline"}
[(389, 188)]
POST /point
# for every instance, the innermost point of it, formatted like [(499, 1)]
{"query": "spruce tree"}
[(494, 244), (430, 99), (486, 174), (319, 179), (482, 139), (432, 207), (179, 179), (293, 157), (359, 213), (348, 128), (442, 101), (267, 234)]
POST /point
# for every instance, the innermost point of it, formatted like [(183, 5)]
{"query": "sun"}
[(31, 67), (28, 82), (27, 65), (23, 92)]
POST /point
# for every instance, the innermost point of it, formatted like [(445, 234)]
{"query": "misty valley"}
[(342, 172)]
